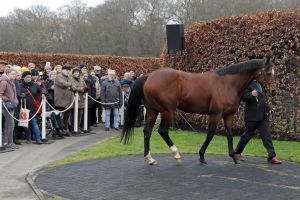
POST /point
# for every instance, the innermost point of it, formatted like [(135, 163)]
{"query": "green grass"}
[(187, 142)]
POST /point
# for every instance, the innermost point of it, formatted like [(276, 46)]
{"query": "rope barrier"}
[(27, 119), (102, 102), (60, 111)]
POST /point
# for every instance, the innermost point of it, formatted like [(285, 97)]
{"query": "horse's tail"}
[(134, 101)]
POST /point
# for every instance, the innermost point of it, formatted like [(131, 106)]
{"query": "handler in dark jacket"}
[(111, 92), (256, 119)]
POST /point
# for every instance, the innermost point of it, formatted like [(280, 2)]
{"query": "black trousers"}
[(56, 121), (264, 130)]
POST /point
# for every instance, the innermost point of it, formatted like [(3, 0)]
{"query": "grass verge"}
[(187, 142)]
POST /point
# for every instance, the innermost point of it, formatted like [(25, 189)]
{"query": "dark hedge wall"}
[(221, 42)]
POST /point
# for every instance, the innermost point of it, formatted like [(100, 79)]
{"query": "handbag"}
[(36, 103), (10, 105), (23, 116)]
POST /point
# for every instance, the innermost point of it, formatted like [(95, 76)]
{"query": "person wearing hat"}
[(36, 77), (78, 86), (3, 64), (48, 65), (111, 92), (33, 94), (63, 95), (94, 79), (47, 70), (24, 69)]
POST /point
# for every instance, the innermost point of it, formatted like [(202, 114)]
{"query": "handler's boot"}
[(274, 160), (240, 157)]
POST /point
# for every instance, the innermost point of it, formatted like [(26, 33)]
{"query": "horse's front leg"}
[(212, 125), (209, 137), (228, 126), (230, 145)]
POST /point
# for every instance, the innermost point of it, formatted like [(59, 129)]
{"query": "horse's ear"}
[(268, 62)]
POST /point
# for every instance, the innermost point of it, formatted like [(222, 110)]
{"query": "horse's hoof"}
[(202, 160), (178, 160), (154, 162), (235, 159)]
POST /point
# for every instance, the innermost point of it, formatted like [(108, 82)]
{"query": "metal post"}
[(85, 125), (76, 113), (43, 117)]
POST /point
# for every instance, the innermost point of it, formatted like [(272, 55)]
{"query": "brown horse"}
[(215, 93)]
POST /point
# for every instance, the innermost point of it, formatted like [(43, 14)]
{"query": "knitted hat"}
[(97, 68), (66, 67), (26, 73), (48, 65), (34, 72), (81, 66), (75, 69)]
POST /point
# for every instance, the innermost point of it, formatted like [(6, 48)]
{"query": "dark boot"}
[(59, 133)]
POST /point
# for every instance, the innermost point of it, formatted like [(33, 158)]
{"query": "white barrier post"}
[(43, 117), (76, 113), (1, 148), (122, 110), (85, 125)]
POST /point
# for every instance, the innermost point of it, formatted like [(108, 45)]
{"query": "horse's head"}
[(266, 76)]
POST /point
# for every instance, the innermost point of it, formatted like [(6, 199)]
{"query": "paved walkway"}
[(15, 165), (129, 178)]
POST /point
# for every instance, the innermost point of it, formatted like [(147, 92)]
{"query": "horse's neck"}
[(241, 80)]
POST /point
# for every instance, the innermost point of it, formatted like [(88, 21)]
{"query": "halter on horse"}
[(215, 93)]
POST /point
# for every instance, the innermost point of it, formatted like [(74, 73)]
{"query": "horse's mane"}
[(242, 67)]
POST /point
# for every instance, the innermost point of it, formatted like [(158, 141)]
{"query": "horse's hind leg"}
[(228, 127), (150, 121), (213, 122), (164, 133)]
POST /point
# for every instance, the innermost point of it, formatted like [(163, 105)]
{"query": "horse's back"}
[(167, 89)]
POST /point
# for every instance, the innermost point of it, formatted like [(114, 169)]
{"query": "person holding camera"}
[(111, 93)]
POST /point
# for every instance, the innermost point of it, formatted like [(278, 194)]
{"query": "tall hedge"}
[(217, 43), (120, 64)]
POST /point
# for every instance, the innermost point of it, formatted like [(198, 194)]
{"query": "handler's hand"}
[(254, 93)]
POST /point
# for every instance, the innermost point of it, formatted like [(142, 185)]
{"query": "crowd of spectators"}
[(22, 88)]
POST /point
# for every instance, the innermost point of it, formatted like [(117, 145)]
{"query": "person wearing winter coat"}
[(78, 86), (111, 93), (63, 95), (8, 94), (91, 92), (33, 95), (55, 117)]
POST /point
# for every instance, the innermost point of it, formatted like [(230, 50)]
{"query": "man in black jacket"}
[(256, 110)]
